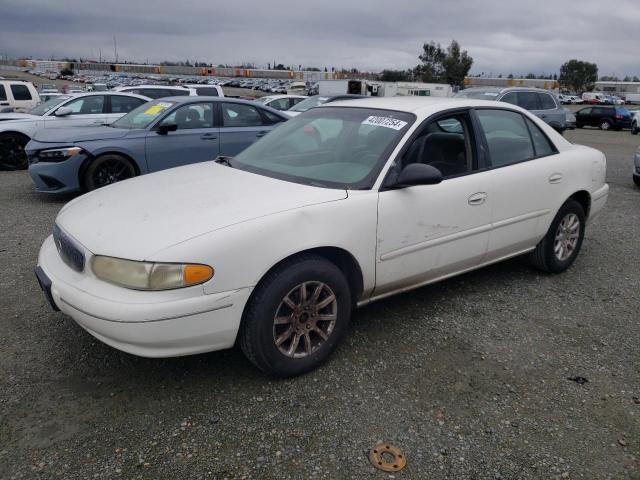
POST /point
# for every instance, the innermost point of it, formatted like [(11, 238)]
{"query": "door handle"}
[(555, 178), (477, 198), (261, 134), (208, 137)]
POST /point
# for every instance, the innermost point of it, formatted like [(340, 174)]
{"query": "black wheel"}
[(296, 316), (107, 169), (636, 180), (561, 245), (605, 125), (12, 154), (634, 129)]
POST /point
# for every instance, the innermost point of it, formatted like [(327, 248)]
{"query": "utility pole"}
[(100, 52), (115, 49)]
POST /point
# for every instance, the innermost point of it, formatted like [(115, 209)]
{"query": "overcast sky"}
[(506, 36)]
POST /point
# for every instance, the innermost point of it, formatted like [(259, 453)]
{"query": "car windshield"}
[(310, 102), (44, 107), (477, 94), (334, 147), (143, 116)]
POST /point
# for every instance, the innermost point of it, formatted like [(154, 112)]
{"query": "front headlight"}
[(58, 154), (149, 275)]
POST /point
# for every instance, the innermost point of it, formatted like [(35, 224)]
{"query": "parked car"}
[(272, 249), (592, 98), (603, 117), (162, 134), (575, 100), (281, 102), (541, 103), (636, 168), (635, 121), (63, 111), (316, 101), (45, 97), (157, 91), (206, 90), (570, 119), (18, 96)]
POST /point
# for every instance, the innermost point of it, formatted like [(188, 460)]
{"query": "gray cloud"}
[(503, 37)]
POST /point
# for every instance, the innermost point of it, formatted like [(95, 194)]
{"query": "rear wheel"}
[(296, 316), (12, 154), (636, 180), (107, 169), (634, 128), (605, 125), (561, 245)]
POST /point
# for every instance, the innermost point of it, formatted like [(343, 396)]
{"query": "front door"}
[(195, 140), (86, 111), (430, 231)]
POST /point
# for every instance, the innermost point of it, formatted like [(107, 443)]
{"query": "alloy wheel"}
[(567, 236), (111, 171), (305, 319)]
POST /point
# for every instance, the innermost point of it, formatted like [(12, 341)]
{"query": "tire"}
[(636, 180), (545, 257), (106, 170), (604, 125), (259, 331), (634, 129), (12, 154)]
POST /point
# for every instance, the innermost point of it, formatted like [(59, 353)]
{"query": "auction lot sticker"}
[(386, 122)]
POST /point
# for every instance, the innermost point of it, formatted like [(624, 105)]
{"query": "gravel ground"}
[(468, 377)]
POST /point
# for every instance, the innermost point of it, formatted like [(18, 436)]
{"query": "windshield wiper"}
[(223, 160)]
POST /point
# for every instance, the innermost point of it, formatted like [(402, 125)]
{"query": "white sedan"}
[(88, 109), (343, 205)]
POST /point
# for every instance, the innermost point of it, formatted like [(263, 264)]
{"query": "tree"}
[(457, 64), (431, 69), (439, 65), (394, 76), (578, 76)]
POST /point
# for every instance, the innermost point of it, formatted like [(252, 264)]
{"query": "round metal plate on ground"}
[(387, 458)]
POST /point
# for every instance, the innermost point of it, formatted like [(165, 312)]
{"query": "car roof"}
[(182, 99), (505, 89), (419, 106), (177, 87)]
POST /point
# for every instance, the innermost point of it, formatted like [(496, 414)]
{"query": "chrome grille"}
[(69, 252)]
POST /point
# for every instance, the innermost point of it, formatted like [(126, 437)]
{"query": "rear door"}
[(240, 126), (4, 100), (85, 111), (23, 99), (550, 112), (196, 139), (527, 180)]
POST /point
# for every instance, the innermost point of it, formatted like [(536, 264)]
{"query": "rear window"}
[(3, 93), (20, 92)]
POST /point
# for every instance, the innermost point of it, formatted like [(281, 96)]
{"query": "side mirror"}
[(166, 128), (63, 112), (418, 174)]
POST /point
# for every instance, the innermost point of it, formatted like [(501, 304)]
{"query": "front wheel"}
[(561, 245), (636, 180), (12, 154), (106, 170), (634, 129), (296, 316)]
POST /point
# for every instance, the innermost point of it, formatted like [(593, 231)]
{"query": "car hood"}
[(78, 134), (6, 117), (138, 217)]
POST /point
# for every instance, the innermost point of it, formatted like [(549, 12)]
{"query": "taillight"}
[(619, 117)]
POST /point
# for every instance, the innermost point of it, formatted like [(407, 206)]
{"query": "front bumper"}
[(56, 177), (149, 324)]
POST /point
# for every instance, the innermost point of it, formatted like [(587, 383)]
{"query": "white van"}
[(17, 96), (297, 88), (592, 97)]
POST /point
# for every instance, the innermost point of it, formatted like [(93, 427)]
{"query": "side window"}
[(86, 105), (511, 98), (3, 93), (280, 104), (547, 102), (122, 104), (239, 115), (175, 93), (444, 143), (20, 92), (199, 115), (585, 111), (507, 137), (541, 143), (529, 100), (295, 101), (206, 91), (150, 92)]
